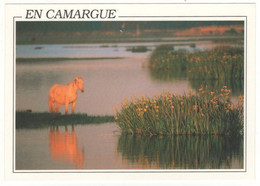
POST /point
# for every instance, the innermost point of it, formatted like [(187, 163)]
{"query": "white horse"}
[(65, 94)]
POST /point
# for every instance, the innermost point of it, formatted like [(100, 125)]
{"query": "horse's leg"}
[(73, 106), (51, 105), (57, 107), (66, 107)]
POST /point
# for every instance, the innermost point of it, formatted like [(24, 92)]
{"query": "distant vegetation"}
[(223, 64), (28, 119), (137, 49), (86, 26), (114, 32)]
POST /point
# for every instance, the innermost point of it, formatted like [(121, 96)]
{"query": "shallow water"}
[(102, 146), (107, 82)]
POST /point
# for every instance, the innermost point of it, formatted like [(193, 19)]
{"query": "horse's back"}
[(62, 93), (57, 93), (55, 88)]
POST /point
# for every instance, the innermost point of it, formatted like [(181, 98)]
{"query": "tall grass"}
[(235, 85), (222, 63), (204, 113)]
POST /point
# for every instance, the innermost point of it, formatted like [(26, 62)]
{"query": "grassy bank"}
[(204, 113), (222, 63), (44, 119)]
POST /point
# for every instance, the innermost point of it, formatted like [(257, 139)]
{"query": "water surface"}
[(107, 82), (89, 147)]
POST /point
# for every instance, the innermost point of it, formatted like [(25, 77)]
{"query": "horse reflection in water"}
[(64, 147)]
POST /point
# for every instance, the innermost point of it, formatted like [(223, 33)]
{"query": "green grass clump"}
[(25, 119), (204, 113), (137, 49), (222, 63)]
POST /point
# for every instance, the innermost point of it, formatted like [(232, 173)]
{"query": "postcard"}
[(129, 90)]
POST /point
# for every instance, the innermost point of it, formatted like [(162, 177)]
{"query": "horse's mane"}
[(73, 82)]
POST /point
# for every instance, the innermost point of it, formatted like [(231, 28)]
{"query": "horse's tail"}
[(51, 103)]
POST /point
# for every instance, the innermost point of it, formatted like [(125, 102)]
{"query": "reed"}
[(221, 63), (203, 113)]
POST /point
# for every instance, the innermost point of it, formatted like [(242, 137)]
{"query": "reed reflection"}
[(64, 147), (181, 152)]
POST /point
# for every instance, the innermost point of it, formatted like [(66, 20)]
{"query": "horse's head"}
[(79, 83)]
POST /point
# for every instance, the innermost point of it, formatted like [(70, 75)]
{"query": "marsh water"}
[(108, 81), (104, 147)]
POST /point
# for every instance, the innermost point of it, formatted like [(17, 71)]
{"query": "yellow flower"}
[(212, 93), (181, 102), (226, 94), (116, 118), (227, 111), (155, 95), (172, 107)]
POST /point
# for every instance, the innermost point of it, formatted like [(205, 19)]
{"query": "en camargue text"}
[(71, 14)]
